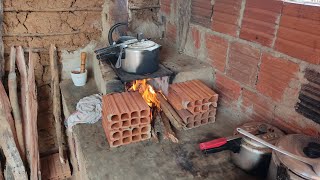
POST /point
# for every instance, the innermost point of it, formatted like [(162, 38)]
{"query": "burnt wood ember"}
[(309, 104)]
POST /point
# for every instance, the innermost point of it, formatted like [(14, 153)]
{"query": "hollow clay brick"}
[(193, 95)]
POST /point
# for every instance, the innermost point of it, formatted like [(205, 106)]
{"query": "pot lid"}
[(262, 130), (142, 45), (297, 144)]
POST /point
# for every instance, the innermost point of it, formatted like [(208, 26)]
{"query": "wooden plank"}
[(31, 123), (1, 42), (7, 140), (12, 9), (56, 97), (39, 34), (13, 95), (168, 132)]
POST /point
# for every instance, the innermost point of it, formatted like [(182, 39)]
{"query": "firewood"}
[(31, 123), (7, 140), (1, 173), (168, 132), (172, 115), (13, 95), (55, 92)]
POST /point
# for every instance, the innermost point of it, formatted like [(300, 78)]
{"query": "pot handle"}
[(119, 61), (233, 145)]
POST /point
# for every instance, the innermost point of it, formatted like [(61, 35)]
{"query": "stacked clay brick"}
[(125, 118), (194, 102)]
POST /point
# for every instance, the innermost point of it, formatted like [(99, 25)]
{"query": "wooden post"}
[(7, 140), (31, 123), (13, 95), (1, 42), (55, 92)]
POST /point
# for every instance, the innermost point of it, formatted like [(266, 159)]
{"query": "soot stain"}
[(184, 160)]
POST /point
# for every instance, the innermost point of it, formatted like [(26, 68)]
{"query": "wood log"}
[(1, 173), (7, 141), (172, 115), (55, 92), (168, 132), (31, 123), (1, 42), (13, 95)]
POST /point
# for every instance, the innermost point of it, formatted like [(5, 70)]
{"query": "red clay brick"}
[(228, 89), (196, 37), (192, 95), (201, 12), (165, 6), (259, 21), (257, 107), (217, 51), (243, 63), (275, 75), (225, 16), (299, 32), (52, 168)]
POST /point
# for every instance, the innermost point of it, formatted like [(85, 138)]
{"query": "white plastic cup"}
[(79, 79)]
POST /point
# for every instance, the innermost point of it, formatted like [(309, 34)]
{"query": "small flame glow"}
[(147, 92)]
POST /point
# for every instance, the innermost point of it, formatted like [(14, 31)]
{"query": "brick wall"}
[(260, 51)]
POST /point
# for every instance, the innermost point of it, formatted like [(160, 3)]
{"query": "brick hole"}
[(126, 140), (197, 117), (144, 136), (211, 107), (135, 131), (116, 143), (144, 113), (204, 115), (135, 138), (144, 129), (197, 123), (126, 133), (190, 125), (135, 121), (116, 135), (204, 121), (205, 108), (198, 102), (204, 101), (190, 104), (115, 126), (188, 119), (144, 120), (115, 118), (212, 113), (134, 114), (211, 119), (197, 109), (125, 123), (125, 116)]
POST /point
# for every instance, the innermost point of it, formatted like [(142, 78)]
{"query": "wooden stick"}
[(13, 95), (39, 34), (2, 70), (31, 124), (168, 132), (55, 92), (172, 115), (83, 62), (11, 9), (7, 141)]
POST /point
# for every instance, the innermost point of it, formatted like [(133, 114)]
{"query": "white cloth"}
[(88, 111)]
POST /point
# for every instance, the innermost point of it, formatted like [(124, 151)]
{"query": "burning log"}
[(55, 91), (171, 114), (13, 95), (168, 132)]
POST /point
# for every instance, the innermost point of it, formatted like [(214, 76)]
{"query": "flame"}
[(147, 92)]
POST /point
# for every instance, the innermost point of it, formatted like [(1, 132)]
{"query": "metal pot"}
[(284, 167), (248, 154), (141, 57)]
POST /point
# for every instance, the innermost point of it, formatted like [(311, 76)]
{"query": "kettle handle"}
[(110, 39)]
